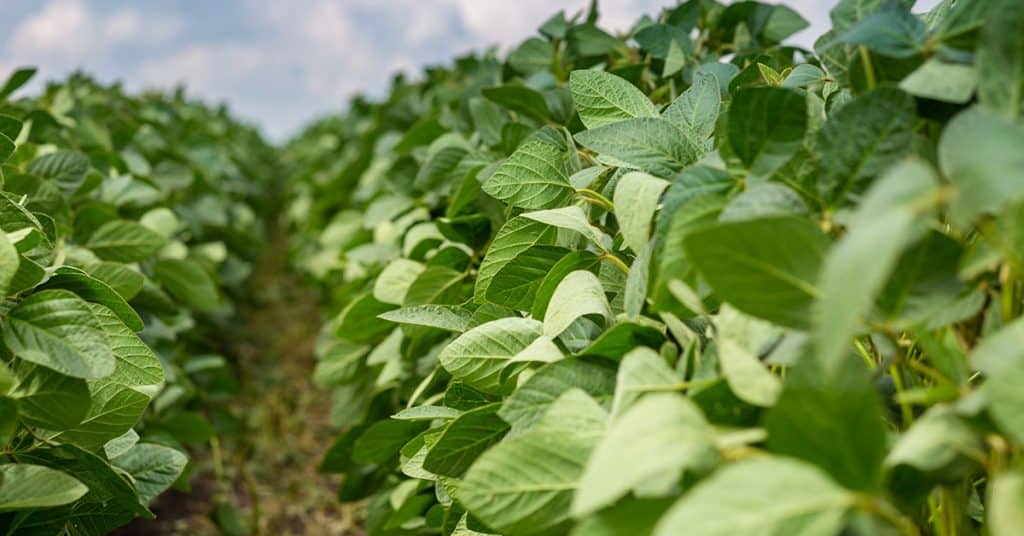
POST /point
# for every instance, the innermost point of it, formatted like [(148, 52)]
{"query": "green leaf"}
[(602, 98), (747, 377), (58, 330), (935, 441), (124, 241), (863, 138), (516, 285), (1004, 515), (891, 31), (520, 99), (1001, 357), (515, 237), (18, 78), (9, 262), (647, 447), (25, 486), (464, 439), (642, 371), (393, 282), (49, 400), (124, 280), (695, 111), (446, 317), (579, 294), (382, 441), (572, 218), (766, 127), (525, 484), (153, 468), (188, 282), (856, 268), (359, 321), (654, 145), (527, 404), (767, 268), (977, 153), (94, 290), (478, 355), (939, 80), (636, 199), (764, 495), (1000, 60), (533, 177), (65, 168)]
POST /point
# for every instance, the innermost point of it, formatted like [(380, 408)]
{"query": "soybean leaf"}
[(653, 441), (766, 127), (602, 98), (478, 356), (25, 486), (766, 267), (533, 177), (653, 145), (770, 495), (636, 199), (124, 241)]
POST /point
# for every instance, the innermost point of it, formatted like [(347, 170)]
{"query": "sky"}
[(282, 63)]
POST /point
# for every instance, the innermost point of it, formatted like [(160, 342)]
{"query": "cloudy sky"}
[(280, 63)]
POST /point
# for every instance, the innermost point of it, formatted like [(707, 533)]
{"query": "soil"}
[(266, 482)]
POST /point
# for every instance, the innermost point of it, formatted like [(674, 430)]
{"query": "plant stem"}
[(616, 261), (869, 69), (601, 200)]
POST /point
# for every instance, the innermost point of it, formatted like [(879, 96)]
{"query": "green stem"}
[(616, 261), (869, 69), (596, 196)]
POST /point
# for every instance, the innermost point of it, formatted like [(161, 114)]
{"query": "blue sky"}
[(281, 63)]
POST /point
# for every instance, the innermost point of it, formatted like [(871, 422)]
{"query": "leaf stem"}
[(616, 261), (869, 68), (597, 199)]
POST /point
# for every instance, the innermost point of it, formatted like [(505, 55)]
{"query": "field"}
[(689, 279)]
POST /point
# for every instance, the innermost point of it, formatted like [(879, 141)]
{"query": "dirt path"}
[(268, 483)]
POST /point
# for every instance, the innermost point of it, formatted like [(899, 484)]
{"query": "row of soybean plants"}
[(127, 223), (686, 280)]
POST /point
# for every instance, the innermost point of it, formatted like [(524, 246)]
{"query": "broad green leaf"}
[(939, 80), (634, 517), (519, 99), (515, 237), (1004, 516), (49, 400), (124, 280), (654, 441), (766, 127), (1001, 358), (936, 440), (359, 321), (9, 262), (188, 282), (478, 355), (891, 31), (517, 283), (856, 268), (393, 283), (642, 371), (18, 78), (764, 200), (382, 441), (25, 486), (426, 413), (767, 268), (438, 284), (572, 218), (636, 199), (863, 138), (602, 98), (525, 484), (833, 419), (579, 294), (153, 468), (58, 330), (124, 241), (763, 495), (977, 153), (464, 439), (66, 169), (1000, 60), (94, 290), (533, 177), (653, 145), (747, 377), (446, 317), (525, 406), (695, 111)]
